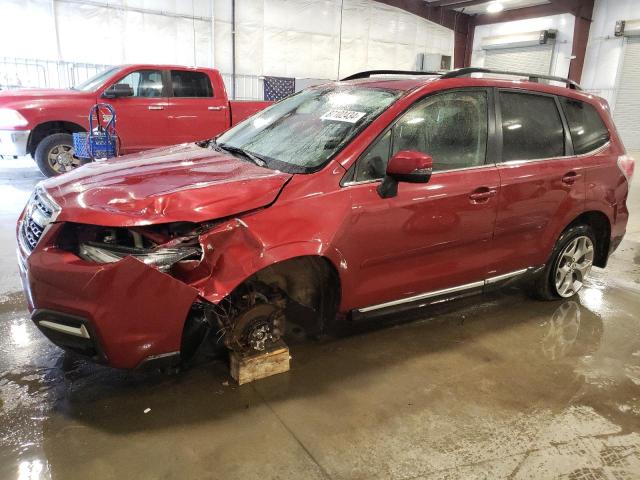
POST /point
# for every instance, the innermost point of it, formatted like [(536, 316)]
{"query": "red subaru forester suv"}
[(358, 197)]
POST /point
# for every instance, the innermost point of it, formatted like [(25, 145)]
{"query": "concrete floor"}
[(491, 387)]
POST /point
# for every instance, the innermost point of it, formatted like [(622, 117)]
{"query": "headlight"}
[(161, 258), (11, 118)]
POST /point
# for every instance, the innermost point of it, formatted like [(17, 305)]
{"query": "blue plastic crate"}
[(99, 142), (95, 145)]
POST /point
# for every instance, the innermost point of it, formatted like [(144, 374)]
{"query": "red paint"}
[(406, 162), (169, 121), (460, 227)]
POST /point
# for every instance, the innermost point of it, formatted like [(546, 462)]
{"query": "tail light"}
[(626, 164)]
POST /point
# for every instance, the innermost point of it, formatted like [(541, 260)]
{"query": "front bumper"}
[(121, 314), (14, 142)]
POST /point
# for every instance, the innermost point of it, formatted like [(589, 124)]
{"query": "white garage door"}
[(627, 109), (536, 59)]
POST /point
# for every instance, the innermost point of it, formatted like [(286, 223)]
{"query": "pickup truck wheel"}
[(54, 155), (568, 266)]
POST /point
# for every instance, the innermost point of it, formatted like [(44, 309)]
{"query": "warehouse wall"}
[(562, 51), (295, 38), (604, 51), (302, 37)]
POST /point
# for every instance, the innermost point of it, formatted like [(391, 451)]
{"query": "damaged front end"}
[(161, 246), (251, 318)]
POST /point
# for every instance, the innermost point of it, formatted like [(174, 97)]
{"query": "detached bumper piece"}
[(69, 332)]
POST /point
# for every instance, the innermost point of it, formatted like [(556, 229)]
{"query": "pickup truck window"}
[(145, 83), (190, 84), (94, 82), (301, 133)]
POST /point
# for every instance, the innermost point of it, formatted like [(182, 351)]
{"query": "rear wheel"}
[(569, 265), (55, 155)]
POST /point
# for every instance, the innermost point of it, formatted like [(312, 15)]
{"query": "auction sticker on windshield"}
[(348, 116)]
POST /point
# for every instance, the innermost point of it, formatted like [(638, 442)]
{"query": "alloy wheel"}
[(574, 264), (62, 158)]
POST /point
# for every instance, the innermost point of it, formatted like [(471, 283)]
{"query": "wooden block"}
[(254, 366)]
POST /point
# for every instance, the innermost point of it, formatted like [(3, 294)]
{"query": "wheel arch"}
[(601, 226), (45, 129)]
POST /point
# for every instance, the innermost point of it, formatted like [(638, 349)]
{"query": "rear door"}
[(196, 110), (542, 183), (431, 236), (141, 120)]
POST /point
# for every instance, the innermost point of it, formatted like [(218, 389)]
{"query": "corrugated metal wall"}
[(627, 108)]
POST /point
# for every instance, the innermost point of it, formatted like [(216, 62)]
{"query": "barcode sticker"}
[(348, 116)]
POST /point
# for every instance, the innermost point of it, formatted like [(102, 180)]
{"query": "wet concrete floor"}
[(498, 386)]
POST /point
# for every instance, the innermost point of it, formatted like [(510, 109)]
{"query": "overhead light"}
[(495, 7)]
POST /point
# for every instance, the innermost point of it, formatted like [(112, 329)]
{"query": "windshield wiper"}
[(239, 151)]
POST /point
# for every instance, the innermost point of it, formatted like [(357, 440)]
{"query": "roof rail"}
[(532, 77), (369, 73)]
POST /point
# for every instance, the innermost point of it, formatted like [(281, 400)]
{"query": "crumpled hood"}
[(178, 183)]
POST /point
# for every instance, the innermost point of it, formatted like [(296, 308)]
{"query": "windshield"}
[(301, 133), (95, 81)]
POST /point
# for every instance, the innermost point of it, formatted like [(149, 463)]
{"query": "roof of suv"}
[(406, 81)]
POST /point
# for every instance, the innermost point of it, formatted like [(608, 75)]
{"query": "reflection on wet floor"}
[(496, 386)]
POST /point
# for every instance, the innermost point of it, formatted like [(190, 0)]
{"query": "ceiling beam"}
[(579, 8), (457, 3)]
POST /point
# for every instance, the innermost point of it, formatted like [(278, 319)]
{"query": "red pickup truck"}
[(156, 105)]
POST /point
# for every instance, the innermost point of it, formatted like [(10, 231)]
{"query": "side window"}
[(374, 162), (145, 83), (451, 127), (190, 84), (531, 127), (588, 131)]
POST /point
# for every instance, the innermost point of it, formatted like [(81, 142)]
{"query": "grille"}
[(38, 214)]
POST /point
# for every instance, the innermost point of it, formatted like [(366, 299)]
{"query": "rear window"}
[(190, 84), (588, 131), (531, 127)]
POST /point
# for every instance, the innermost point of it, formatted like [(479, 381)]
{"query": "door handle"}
[(482, 194), (216, 108), (570, 178), (156, 107)]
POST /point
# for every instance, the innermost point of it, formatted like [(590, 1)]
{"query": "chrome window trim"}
[(446, 291), (435, 172), (564, 157)]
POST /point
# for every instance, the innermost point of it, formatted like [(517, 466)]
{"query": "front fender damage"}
[(137, 311)]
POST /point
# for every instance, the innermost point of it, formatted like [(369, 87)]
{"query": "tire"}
[(52, 155), (569, 264)]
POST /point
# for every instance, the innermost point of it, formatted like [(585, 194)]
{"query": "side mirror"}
[(118, 90), (405, 166)]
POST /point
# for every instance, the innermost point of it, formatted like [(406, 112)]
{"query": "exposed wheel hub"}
[(255, 329)]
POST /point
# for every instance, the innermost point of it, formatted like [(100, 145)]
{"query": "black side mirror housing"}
[(118, 90)]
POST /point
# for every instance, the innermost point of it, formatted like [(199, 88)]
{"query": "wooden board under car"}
[(246, 368)]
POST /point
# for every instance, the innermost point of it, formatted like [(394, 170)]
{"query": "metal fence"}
[(247, 87), (36, 73), (30, 73)]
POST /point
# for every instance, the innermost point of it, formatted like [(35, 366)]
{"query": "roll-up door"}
[(532, 59), (627, 108)]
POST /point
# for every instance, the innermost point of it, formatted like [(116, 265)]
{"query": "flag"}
[(276, 88)]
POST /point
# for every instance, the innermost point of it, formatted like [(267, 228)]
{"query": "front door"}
[(196, 111), (141, 119), (431, 236)]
